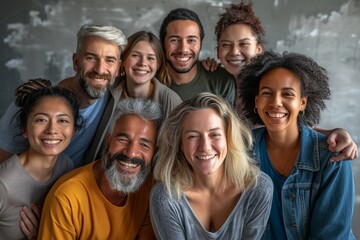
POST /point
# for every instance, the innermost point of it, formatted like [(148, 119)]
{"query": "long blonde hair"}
[(173, 169)]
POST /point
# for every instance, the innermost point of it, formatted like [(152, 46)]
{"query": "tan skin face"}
[(204, 141), (133, 137), (236, 47), (182, 47), (50, 127), (98, 61), (279, 101)]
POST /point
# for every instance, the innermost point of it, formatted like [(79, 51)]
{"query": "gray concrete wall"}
[(38, 39)]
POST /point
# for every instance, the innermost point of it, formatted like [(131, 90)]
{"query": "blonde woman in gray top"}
[(209, 186), (143, 72)]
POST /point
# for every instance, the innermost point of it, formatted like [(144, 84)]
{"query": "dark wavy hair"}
[(240, 13), (180, 14), (314, 83), (31, 93)]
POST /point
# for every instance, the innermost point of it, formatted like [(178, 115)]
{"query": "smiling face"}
[(279, 101), (97, 66), (141, 64), (131, 147), (182, 45), (50, 126), (204, 141), (236, 47)]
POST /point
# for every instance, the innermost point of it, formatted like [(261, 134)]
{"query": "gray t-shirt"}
[(174, 219), (19, 188)]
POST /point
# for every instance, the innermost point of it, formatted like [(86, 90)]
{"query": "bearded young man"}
[(109, 198)]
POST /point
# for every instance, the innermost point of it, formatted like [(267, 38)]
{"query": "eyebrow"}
[(210, 130), (190, 36), (142, 139), (95, 55), (151, 54), (285, 88), (58, 115)]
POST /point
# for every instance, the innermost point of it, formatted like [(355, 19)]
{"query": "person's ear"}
[(303, 103), (259, 48), (25, 134), (107, 139), (118, 71), (256, 100), (75, 61)]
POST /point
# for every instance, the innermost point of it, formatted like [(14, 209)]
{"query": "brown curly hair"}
[(240, 13)]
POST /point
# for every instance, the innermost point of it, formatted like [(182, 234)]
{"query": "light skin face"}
[(141, 65), (50, 127), (279, 101), (97, 65), (182, 46), (135, 138), (204, 141), (236, 47)]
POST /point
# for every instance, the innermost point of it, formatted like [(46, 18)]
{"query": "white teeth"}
[(141, 71), (128, 165), (207, 157), (235, 61), (277, 115), (183, 59), (51, 141)]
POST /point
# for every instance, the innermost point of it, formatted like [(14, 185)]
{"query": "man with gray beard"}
[(109, 198), (96, 63)]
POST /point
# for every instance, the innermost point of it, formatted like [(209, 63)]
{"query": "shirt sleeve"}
[(11, 139), (164, 214), (56, 219), (259, 208)]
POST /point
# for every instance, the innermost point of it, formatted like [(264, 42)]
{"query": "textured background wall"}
[(38, 39)]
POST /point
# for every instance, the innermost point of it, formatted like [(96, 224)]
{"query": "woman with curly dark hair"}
[(313, 198), (240, 37)]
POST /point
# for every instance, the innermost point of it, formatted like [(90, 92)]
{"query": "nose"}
[(52, 127), (100, 67), (235, 50), (205, 144), (277, 100), (132, 150), (183, 46), (142, 61)]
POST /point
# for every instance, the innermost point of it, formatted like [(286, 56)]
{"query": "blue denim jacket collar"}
[(308, 147)]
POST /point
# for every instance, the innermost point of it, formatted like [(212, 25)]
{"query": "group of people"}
[(165, 146)]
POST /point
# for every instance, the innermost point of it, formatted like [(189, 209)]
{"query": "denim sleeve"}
[(164, 214), (332, 213)]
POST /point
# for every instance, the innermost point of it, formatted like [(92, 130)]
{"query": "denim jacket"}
[(318, 197)]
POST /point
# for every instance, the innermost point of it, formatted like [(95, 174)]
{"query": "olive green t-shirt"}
[(219, 82)]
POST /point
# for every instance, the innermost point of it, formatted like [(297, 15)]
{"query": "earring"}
[(255, 110), (302, 113)]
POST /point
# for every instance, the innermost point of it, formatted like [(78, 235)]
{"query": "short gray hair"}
[(145, 109), (107, 33)]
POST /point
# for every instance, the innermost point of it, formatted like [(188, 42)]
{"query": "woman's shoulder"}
[(163, 91), (159, 190)]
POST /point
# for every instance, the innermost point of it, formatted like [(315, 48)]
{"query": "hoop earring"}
[(255, 110), (302, 113)]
